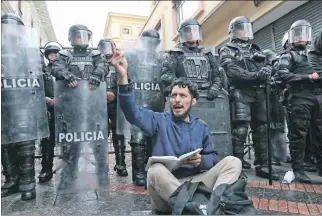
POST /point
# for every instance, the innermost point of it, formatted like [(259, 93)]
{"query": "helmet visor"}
[(190, 33), (106, 48), (80, 38), (243, 31), (300, 34)]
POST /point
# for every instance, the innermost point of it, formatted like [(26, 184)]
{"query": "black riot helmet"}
[(270, 55), (240, 28), (105, 46), (79, 36), (190, 30), (10, 18), (52, 46), (300, 31), (150, 39)]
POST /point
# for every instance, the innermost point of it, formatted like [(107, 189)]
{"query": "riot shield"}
[(82, 134), (216, 114), (279, 148), (23, 106), (144, 70), (123, 127)]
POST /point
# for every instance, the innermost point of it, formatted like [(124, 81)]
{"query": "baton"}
[(268, 130)]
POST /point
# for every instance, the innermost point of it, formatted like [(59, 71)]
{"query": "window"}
[(185, 9), (159, 29), (125, 31)]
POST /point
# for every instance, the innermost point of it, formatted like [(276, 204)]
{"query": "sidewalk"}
[(122, 197)]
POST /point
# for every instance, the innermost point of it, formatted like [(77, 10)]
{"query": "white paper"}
[(171, 162)]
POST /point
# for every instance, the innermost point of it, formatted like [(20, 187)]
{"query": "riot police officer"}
[(306, 90), (192, 61), (48, 144), (145, 71), (106, 47), (81, 64), (23, 109), (247, 70)]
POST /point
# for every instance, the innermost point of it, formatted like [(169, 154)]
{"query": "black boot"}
[(27, 181), (238, 151), (10, 171), (138, 152), (300, 176), (119, 147), (47, 151), (261, 154)]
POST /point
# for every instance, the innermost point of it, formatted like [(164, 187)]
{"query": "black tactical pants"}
[(305, 110), (48, 144), (248, 107), (18, 161), (141, 151), (118, 140)]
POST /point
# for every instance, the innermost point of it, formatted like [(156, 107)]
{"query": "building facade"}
[(34, 14), (124, 28), (271, 19)]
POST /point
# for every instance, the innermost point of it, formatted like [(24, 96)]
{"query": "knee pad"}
[(138, 139), (240, 133), (240, 111)]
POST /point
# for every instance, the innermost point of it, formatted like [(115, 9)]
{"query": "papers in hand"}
[(171, 162)]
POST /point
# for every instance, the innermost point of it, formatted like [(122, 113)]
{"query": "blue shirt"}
[(170, 137)]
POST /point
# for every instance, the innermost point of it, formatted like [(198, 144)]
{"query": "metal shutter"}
[(263, 38), (310, 11)]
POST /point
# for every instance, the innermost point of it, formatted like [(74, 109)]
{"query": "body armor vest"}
[(111, 79), (49, 82), (81, 65), (249, 57), (300, 63), (196, 67)]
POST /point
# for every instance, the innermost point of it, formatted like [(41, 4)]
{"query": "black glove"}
[(264, 74), (213, 92), (69, 77), (95, 79)]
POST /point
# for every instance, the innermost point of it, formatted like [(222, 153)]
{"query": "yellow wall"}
[(115, 24), (163, 8), (215, 26)]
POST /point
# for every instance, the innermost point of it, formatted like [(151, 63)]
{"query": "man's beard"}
[(181, 116)]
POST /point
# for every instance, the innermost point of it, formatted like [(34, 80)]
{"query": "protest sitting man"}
[(175, 133)]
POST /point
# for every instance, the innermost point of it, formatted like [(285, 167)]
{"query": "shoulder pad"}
[(255, 46), (231, 45), (226, 48), (96, 53), (176, 49), (65, 53)]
